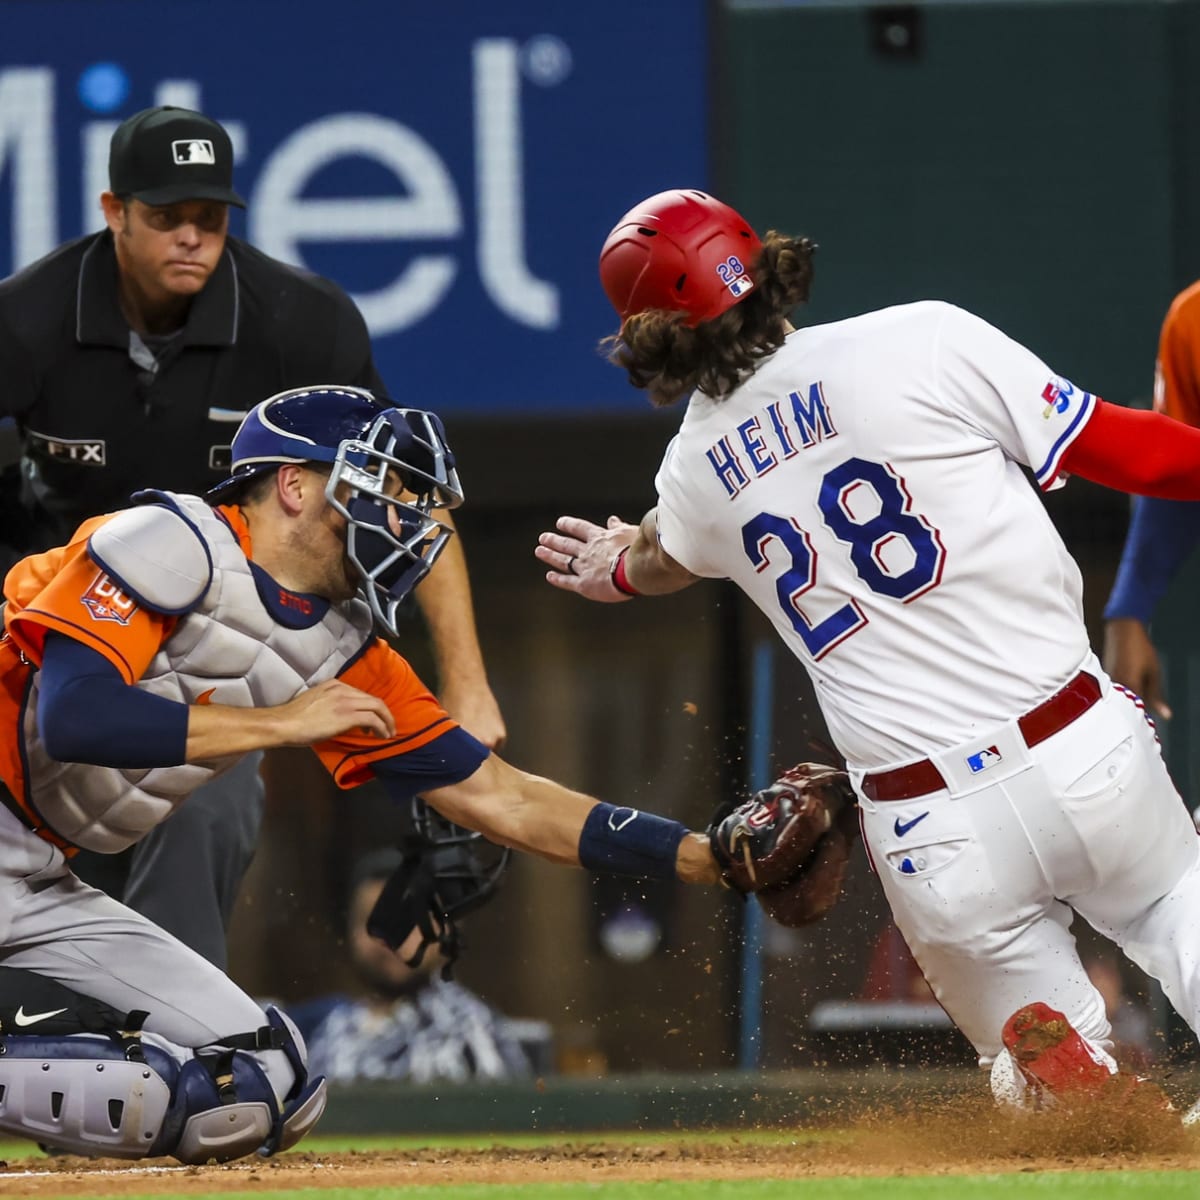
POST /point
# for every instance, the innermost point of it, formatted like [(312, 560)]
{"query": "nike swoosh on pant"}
[(901, 828), (23, 1018)]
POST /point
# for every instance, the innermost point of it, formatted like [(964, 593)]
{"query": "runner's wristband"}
[(619, 578)]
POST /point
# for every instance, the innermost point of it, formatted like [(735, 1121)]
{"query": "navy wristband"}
[(625, 841)]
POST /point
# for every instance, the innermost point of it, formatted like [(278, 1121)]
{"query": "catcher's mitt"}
[(790, 843), (815, 888)]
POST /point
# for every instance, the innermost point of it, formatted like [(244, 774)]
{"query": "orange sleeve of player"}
[(64, 591), (1177, 372), (419, 717)]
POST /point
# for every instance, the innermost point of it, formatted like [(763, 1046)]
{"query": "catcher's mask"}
[(683, 251), (445, 872), (392, 539)]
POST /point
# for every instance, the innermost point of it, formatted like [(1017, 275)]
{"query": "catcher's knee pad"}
[(304, 1104), (225, 1106), (93, 1094)]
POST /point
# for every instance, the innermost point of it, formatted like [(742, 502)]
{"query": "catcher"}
[(147, 656)]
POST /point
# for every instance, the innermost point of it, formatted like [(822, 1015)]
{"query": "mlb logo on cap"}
[(168, 155), (194, 150)]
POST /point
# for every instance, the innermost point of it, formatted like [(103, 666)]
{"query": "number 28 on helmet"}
[(683, 251)]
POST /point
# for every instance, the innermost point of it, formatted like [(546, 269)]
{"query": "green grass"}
[(1109, 1185), (1061, 1185)]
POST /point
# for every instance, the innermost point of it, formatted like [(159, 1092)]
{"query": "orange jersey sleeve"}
[(419, 717), (64, 591), (1177, 372)]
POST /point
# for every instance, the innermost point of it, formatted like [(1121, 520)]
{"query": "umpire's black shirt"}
[(102, 412)]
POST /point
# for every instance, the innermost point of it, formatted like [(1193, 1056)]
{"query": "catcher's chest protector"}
[(228, 646)]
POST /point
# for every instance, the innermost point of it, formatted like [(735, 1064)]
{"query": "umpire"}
[(127, 359)]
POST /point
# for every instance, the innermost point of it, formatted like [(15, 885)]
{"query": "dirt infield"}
[(955, 1139)]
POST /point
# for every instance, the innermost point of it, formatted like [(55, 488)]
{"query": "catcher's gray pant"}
[(185, 873), (54, 924), (982, 877)]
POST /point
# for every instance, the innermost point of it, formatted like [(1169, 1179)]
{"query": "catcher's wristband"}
[(625, 841), (619, 578)]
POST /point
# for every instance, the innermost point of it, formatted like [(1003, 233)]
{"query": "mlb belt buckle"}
[(1051, 716)]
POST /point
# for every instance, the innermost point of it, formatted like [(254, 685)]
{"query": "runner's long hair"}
[(667, 360)]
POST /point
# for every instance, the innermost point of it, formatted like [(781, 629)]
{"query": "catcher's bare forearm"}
[(537, 815), (323, 711)]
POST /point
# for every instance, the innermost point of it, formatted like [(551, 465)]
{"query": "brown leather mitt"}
[(764, 844), (814, 889)]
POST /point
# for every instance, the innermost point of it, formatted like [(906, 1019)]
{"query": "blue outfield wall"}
[(456, 167)]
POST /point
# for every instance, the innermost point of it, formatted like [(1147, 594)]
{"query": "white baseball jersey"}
[(864, 487)]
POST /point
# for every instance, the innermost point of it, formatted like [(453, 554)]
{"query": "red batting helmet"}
[(679, 250)]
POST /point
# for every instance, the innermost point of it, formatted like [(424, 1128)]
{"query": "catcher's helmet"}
[(391, 540), (680, 250)]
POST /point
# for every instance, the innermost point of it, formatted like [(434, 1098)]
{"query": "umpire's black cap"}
[(165, 155)]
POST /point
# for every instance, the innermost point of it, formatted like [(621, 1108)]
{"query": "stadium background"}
[(456, 168)]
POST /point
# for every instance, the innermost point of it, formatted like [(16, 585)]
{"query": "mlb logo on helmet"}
[(983, 759), (106, 602)]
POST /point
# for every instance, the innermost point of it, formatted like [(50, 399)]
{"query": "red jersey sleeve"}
[(1177, 372), (418, 715), (64, 591)]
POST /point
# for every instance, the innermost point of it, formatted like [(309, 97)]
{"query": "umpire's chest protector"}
[(228, 647)]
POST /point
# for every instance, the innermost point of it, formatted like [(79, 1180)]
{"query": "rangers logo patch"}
[(106, 602)]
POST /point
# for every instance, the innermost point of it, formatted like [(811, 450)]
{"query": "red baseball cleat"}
[(1051, 1055), (1054, 1059)]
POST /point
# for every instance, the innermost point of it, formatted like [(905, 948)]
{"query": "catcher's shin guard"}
[(80, 1093), (135, 1098)]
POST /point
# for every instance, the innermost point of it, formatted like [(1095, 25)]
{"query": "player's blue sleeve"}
[(1162, 533), (88, 713), (450, 758)]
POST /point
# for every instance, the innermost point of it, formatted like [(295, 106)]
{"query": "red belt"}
[(921, 778)]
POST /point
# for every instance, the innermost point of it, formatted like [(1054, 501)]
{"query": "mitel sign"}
[(455, 176)]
